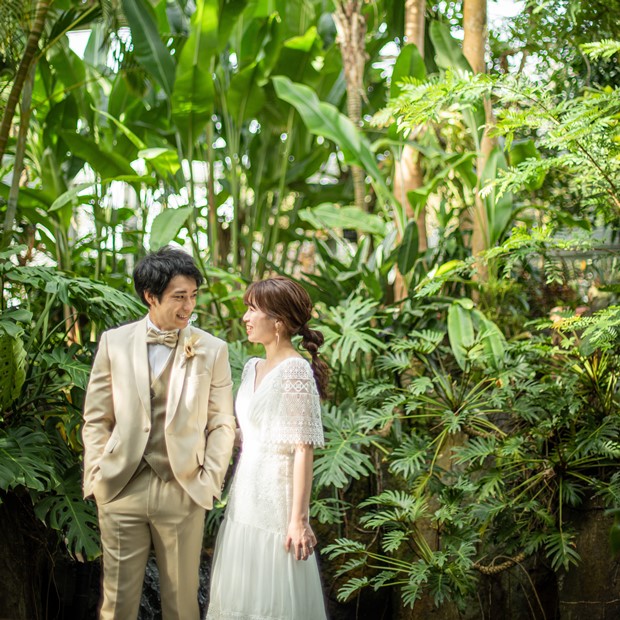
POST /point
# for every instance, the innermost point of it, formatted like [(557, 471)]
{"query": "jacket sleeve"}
[(220, 423), (98, 415)]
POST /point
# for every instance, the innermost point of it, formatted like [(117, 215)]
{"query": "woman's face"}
[(261, 328)]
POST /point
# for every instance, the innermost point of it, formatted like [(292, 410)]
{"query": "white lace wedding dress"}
[(253, 577)]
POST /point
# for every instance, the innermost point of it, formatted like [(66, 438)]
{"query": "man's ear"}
[(150, 298)]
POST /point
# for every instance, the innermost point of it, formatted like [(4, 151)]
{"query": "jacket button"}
[(146, 429)]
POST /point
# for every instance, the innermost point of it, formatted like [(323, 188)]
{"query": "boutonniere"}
[(190, 349)]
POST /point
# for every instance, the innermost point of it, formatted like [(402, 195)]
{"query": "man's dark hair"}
[(154, 272)]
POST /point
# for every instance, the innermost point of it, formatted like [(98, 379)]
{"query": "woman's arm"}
[(300, 535)]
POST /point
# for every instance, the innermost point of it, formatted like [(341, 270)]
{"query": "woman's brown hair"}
[(289, 302)]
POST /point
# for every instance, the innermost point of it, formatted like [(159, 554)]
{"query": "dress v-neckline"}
[(255, 387)]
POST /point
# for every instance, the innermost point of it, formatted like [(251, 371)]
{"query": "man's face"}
[(176, 306)]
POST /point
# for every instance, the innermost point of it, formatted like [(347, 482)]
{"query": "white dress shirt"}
[(158, 353)]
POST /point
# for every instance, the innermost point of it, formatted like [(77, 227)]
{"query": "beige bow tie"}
[(168, 338)]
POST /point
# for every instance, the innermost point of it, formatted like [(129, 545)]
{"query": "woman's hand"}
[(301, 539)]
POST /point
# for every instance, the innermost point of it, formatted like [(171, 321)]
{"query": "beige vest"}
[(155, 453)]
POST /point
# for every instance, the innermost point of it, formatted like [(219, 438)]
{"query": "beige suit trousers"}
[(149, 512)]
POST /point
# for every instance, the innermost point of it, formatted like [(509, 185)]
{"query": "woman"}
[(264, 565)]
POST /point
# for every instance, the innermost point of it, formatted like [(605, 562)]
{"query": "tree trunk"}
[(408, 171), (32, 46), (474, 46), (351, 28)]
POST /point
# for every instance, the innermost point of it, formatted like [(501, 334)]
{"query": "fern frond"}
[(601, 49)]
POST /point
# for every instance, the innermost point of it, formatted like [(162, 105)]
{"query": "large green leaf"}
[(245, 97), (500, 211), (323, 119), (231, 10), (53, 182), (448, 51), (102, 304), (25, 459), (408, 250), (348, 330), (107, 163), (10, 321), (408, 64), (461, 331), (165, 161), (194, 92), (68, 513), (330, 216), (148, 46), (468, 327), (70, 69), (29, 198), (12, 368), (298, 56), (341, 459), (75, 192), (493, 341), (521, 151), (166, 226), (65, 360)]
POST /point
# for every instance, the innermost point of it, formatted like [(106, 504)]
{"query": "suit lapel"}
[(177, 376), (141, 366)]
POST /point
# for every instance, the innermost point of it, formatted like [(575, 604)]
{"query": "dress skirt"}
[(269, 583)]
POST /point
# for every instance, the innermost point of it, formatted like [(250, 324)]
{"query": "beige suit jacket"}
[(200, 425)]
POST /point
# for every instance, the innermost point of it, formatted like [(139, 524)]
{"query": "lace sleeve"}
[(298, 418)]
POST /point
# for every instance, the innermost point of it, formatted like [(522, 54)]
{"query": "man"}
[(158, 435)]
